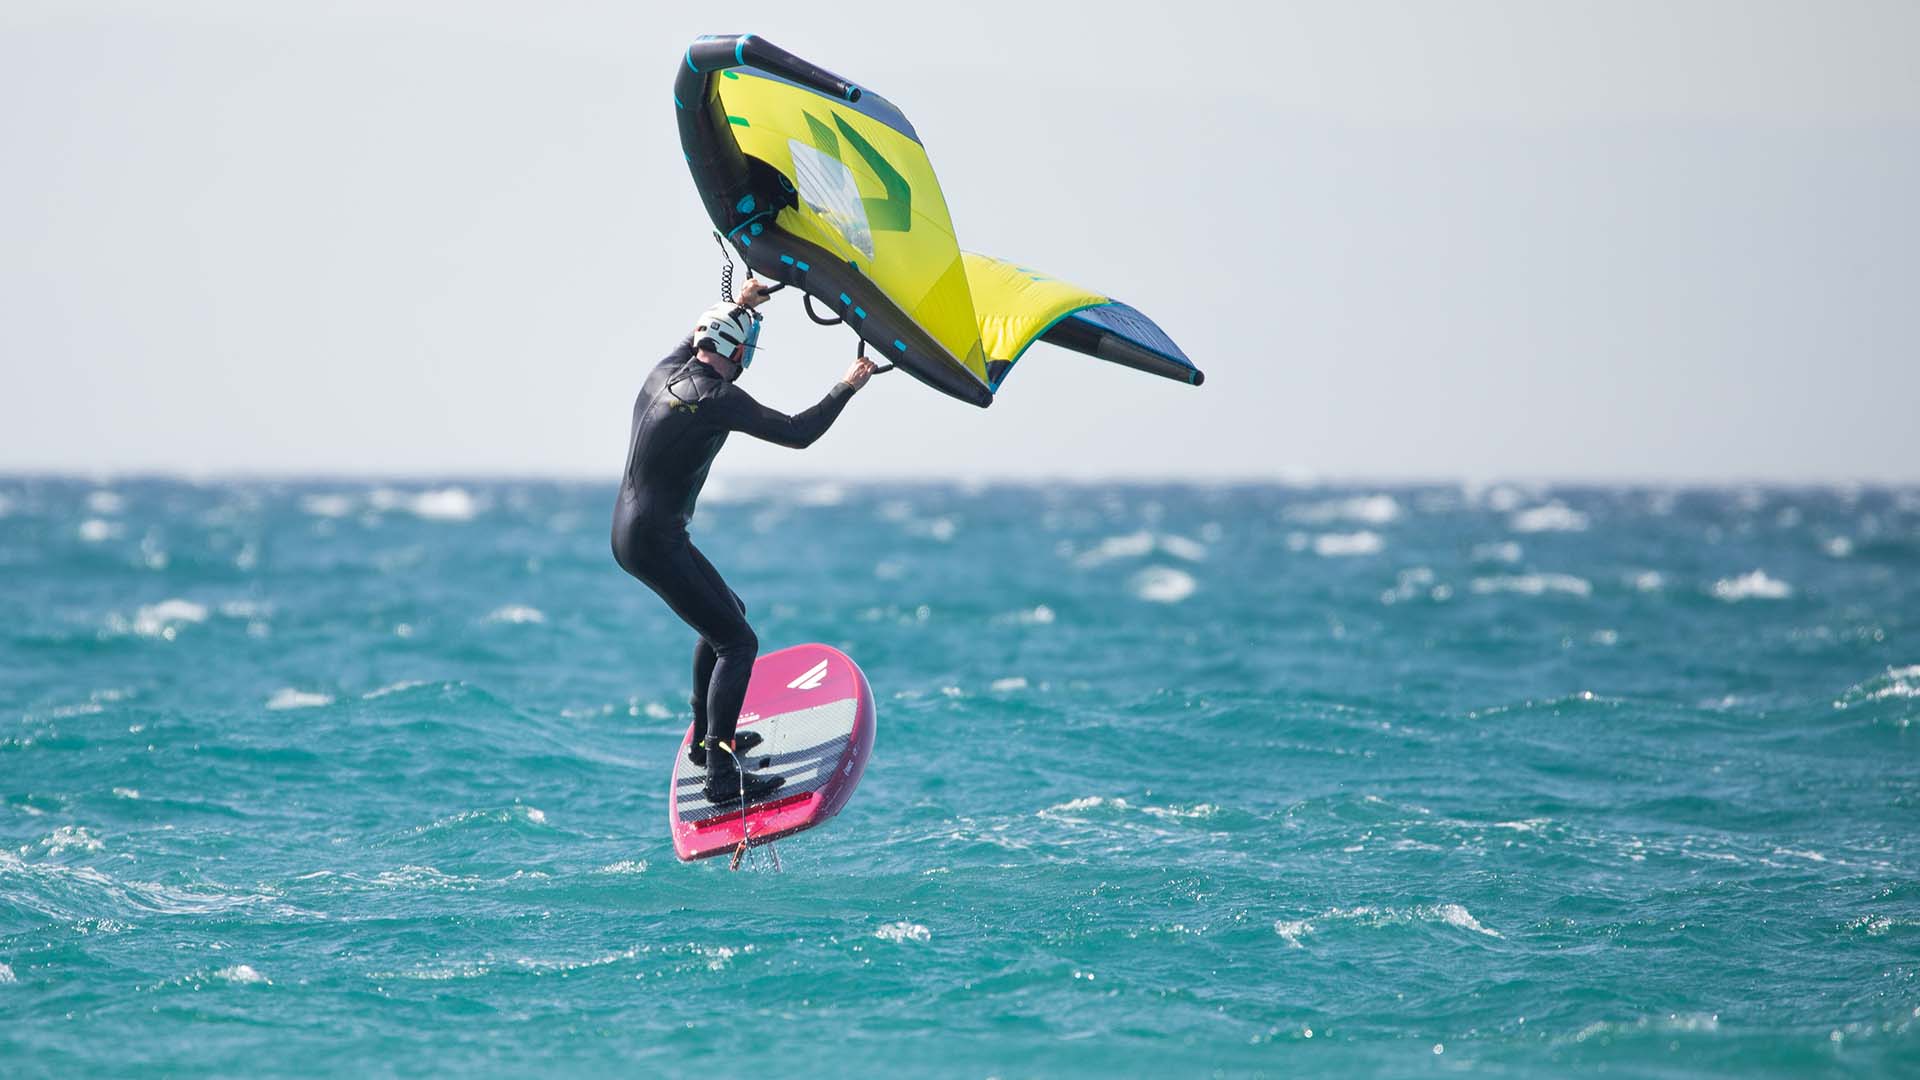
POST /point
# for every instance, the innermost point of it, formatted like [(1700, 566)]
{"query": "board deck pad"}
[(814, 711)]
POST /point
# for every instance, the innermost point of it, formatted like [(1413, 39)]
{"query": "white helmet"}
[(724, 328)]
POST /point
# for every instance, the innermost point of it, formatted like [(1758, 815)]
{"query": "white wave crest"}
[(241, 974), (1009, 684), (516, 613), (1136, 545), (1085, 802), (392, 688), (1454, 915), (1198, 811), (1182, 547), (1553, 517), (6, 975), (1505, 551), (1131, 546), (625, 866), (164, 618), (97, 530), (1365, 509), (1417, 581), (903, 931), (1163, 585), (1534, 584), (1342, 545), (1755, 585), (1040, 615), (446, 504), (288, 698), (328, 505), (1901, 682), (105, 502), (71, 838)]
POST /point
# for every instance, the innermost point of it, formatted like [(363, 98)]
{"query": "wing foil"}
[(824, 185)]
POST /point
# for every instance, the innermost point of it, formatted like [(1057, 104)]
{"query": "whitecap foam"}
[(1292, 930), (1534, 584), (1183, 547), (1502, 551), (1525, 825), (1343, 545), (241, 974), (1454, 915), (1416, 581), (71, 838), (1755, 585), (327, 505), (625, 866), (1875, 925), (391, 688), (97, 530), (1198, 811), (445, 504), (288, 698), (1553, 517), (6, 975), (435, 974), (903, 931), (1040, 615), (163, 619), (1009, 684), (1085, 802), (1901, 682), (105, 502), (1648, 581), (1365, 509), (1130, 546), (1163, 585), (517, 614), (1838, 547)]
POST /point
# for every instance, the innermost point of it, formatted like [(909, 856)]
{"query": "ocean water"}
[(369, 779)]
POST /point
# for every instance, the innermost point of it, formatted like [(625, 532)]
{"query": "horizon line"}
[(1284, 478)]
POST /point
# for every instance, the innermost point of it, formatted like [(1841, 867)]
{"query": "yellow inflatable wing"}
[(823, 185)]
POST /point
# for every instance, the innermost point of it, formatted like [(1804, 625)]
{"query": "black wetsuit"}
[(680, 420)]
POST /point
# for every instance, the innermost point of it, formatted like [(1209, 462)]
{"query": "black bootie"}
[(743, 741), (726, 783)]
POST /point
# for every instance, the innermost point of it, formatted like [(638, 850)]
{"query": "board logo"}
[(811, 678)]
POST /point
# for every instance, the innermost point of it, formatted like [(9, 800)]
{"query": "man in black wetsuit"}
[(686, 409)]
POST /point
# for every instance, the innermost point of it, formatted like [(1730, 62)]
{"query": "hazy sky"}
[(1650, 240)]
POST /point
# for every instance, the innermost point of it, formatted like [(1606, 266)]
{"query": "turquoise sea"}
[(368, 778)]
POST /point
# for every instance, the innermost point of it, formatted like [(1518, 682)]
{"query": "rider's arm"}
[(740, 412)]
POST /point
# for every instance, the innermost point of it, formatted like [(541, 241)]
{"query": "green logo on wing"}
[(894, 211)]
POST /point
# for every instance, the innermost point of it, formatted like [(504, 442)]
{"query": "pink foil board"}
[(814, 711)]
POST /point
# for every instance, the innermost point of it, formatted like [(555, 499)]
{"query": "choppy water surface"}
[(353, 778)]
